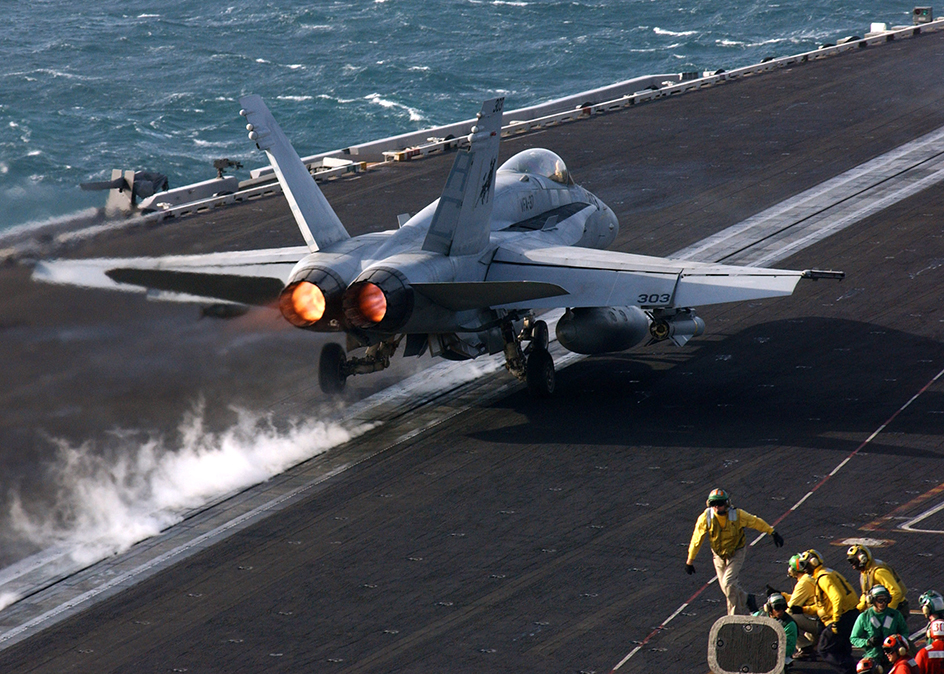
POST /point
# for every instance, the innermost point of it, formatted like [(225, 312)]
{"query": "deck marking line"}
[(819, 484)]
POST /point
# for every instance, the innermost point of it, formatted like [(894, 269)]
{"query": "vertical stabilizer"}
[(462, 221), (319, 224)]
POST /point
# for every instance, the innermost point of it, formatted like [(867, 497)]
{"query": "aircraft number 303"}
[(654, 298)]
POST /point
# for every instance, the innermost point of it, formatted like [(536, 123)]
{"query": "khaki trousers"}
[(808, 628), (728, 570)]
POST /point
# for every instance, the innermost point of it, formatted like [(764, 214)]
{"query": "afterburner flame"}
[(308, 302), (372, 303)]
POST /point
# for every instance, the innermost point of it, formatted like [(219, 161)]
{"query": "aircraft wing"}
[(254, 277), (600, 278)]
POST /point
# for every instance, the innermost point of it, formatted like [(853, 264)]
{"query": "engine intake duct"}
[(380, 299), (592, 330), (313, 299)]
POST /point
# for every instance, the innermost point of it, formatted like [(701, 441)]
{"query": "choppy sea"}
[(87, 87)]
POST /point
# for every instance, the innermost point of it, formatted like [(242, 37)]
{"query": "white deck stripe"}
[(827, 208)]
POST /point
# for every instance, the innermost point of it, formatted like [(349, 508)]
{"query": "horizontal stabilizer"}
[(255, 290), (317, 221), (254, 277), (484, 294)]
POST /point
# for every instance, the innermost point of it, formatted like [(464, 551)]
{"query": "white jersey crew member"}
[(724, 527)]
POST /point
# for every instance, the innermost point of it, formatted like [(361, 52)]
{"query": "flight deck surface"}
[(542, 535)]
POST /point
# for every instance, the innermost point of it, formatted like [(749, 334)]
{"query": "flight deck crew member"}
[(898, 653), (930, 659), (875, 624), (802, 598), (724, 526), (932, 606), (776, 608), (836, 606), (876, 572)]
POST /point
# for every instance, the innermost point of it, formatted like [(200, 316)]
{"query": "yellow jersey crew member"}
[(835, 602), (724, 526), (803, 597), (876, 572)]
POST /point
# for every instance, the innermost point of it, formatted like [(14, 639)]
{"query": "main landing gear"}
[(532, 364), (335, 367)]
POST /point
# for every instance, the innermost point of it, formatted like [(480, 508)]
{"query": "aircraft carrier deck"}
[(509, 534)]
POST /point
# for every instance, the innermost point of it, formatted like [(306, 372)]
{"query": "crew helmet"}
[(931, 602), (859, 556), (810, 560), (936, 630), (879, 591), (794, 570), (718, 497), (896, 643), (866, 666), (776, 601)]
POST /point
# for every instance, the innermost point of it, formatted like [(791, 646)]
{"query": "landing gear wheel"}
[(539, 336), (540, 373), (330, 377)]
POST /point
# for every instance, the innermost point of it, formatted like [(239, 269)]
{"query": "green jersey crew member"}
[(724, 527)]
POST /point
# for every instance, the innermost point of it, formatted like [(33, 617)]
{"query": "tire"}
[(539, 336), (330, 377), (540, 374)]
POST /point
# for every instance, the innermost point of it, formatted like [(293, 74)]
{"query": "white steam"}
[(105, 501)]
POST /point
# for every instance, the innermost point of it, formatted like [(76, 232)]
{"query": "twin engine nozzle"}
[(379, 299)]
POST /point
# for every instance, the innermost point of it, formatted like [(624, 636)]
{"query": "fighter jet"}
[(467, 275)]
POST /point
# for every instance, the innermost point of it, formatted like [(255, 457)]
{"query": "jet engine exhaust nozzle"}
[(381, 299), (312, 300)]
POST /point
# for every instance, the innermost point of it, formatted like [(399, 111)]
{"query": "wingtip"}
[(817, 274)]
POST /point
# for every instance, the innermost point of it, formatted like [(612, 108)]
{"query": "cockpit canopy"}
[(539, 162)]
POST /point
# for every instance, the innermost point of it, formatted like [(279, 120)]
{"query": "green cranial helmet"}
[(879, 592), (794, 570), (718, 497), (931, 602), (777, 600)]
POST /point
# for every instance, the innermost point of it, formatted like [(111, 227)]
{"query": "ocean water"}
[(87, 87)]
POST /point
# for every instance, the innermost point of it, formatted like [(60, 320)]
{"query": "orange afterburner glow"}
[(371, 303), (308, 302)]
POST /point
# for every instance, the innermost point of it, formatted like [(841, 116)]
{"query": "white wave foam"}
[(108, 500), (672, 33), (377, 99), (297, 99)]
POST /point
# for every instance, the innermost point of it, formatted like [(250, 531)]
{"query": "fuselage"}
[(536, 204)]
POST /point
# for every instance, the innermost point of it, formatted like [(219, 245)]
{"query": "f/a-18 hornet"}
[(463, 277)]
